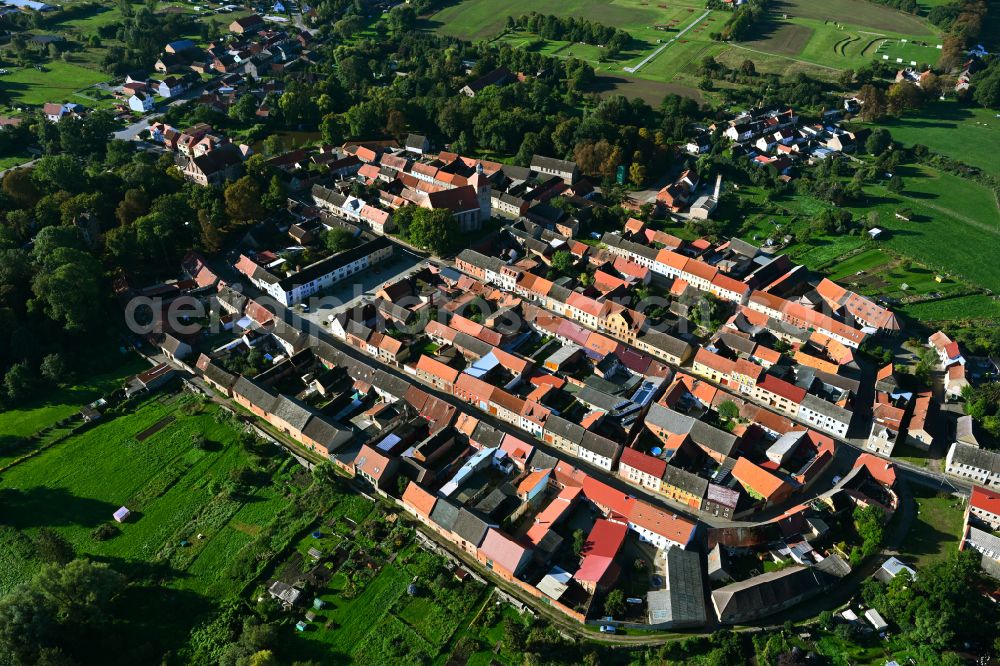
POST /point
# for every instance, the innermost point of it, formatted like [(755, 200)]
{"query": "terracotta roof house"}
[(984, 507), (502, 555), (419, 501), (660, 528), (374, 467), (759, 482)]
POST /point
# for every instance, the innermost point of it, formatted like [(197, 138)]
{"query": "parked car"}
[(609, 629)]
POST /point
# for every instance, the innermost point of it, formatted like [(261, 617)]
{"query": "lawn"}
[(483, 19), (864, 261), (952, 215), (191, 540), (673, 71), (27, 85), (968, 134), (63, 402), (172, 489), (860, 12), (936, 529)]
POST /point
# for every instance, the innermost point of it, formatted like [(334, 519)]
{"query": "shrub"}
[(105, 532)]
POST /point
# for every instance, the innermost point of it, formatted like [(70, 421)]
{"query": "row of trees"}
[(572, 29), (745, 17)]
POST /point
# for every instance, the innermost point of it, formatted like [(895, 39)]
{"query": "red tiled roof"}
[(985, 499), (726, 283), (437, 369), (371, 462), (714, 361), (585, 304), (700, 269), (419, 499), (529, 482), (881, 470), (517, 449), (501, 550), (551, 514), (594, 568), (642, 462), (658, 521), (605, 496), (782, 388), (605, 538)]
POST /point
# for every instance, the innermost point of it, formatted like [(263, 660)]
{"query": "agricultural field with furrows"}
[(817, 39)]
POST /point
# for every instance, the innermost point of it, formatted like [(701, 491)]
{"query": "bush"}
[(105, 532)]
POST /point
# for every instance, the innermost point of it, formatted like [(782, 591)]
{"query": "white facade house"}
[(977, 465), (324, 273), (141, 102)]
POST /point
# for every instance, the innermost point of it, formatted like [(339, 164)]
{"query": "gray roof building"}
[(766, 594), (470, 527), (682, 603), (445, 514), (686, 481)]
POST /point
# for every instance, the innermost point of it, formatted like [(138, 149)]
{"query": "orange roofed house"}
[(760, 483), (660, 528)]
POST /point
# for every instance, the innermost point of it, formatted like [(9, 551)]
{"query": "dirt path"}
[(798, 60), (645, 61)]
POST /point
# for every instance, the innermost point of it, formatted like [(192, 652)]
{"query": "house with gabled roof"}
[(502, 555), (419, 502), (375, 467), (660, 528), (641, 469), (760, 483), (766, 594), (984, 508)]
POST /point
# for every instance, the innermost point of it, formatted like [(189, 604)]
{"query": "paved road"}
[(19, 166), (133, 130), (917, 473)]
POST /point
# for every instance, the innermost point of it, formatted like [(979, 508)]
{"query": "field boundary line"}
[(777, 55), (645, 61)]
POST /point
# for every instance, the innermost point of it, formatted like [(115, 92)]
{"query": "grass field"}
[(875, 272), (841, 45), (802, 37), (483, 19), (936, 529), (27, 85), (859, 12), (968, 134), (177, 493), (954, 310), (163, 480), (60, 403)]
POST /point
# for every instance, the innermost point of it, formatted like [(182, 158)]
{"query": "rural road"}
[(645, 61)]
